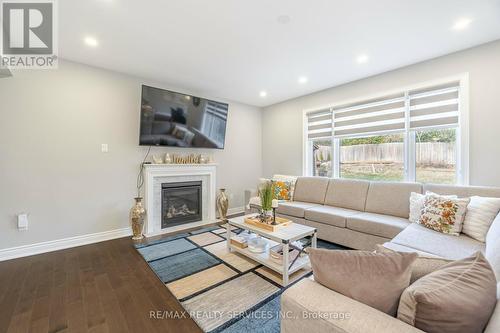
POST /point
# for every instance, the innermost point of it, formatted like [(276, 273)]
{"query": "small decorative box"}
[(239, 242)]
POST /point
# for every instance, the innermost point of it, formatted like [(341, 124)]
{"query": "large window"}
[(322, 157), (373, 158), (413, 135), (436, 156)]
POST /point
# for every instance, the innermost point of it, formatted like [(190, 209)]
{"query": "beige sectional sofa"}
[(360, 214), (354, 213)]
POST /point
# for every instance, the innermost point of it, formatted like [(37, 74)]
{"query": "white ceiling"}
[(233, 49)]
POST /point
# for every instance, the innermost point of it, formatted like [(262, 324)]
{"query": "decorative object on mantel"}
[(157, 159), (188, 159), (222, 204), (168, 158), (137, 216)]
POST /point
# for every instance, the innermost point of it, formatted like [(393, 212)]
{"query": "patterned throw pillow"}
[(417, 202), (282, 190), (443, 214)]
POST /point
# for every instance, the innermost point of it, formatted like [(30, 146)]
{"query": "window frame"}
[(462, 131)]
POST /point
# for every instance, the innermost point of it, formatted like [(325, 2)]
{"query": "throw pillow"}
[(375, 279), (282, 190), (460, 298), (443, 214), (421, 266), (480, 214), (417, 202), (179, 132), (188, 137), (289, 179)]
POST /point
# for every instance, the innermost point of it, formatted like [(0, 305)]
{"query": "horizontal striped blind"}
[(435, 106), (319, 124), (217, 109), (370, 117)]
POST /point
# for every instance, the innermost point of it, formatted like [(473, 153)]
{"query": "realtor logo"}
[(28, 34)]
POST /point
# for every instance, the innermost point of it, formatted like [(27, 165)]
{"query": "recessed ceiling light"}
[(362, 58), (91, 41), (462, 23), (303, 80), (284, 19), (263, 94)]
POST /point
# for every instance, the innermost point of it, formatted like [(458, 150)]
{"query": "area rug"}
[(222, 291)]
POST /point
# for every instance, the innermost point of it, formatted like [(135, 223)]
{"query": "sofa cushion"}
[(493, 246), (375, 279), (463, 191), (402, 248), (330, 215), (311, 307), (294, 208), (442, 245), (494, 322), (310, 189), (422, 266), (377, 224), (448, 300), (347, 193), (391, 198)]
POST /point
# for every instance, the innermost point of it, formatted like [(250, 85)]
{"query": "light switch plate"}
[(22, 221), (104, 148)]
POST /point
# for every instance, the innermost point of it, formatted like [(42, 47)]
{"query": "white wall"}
[(282, 123), (52, 125)]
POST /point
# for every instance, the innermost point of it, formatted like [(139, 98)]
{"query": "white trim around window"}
[(462, 130)]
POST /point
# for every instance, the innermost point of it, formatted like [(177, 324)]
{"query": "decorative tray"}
[(266, 225)]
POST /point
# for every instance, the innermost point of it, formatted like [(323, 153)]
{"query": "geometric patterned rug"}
[(222, 291)]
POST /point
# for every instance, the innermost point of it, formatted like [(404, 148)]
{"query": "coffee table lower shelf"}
[(264, 259), (283, 236)]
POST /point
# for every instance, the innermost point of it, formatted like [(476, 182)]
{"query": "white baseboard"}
[(65, 243), (60, 244)]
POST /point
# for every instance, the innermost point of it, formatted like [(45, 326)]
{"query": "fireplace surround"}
[(155, 178)]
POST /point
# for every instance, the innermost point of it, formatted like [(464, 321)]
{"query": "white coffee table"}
[(284, 235)]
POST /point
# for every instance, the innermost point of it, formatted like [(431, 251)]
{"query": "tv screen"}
[(179, 120)]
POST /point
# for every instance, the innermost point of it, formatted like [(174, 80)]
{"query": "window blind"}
[(435, 106), (217, 109), (319, 124), (214, 123), (370, 117)]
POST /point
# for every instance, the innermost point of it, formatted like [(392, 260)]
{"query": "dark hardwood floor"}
[(102, 287)]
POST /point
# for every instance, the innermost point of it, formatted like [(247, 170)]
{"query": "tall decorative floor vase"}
[(137, 216), (222, 204)]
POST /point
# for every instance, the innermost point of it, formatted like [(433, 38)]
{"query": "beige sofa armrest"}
[(249, 193), (312, 308)]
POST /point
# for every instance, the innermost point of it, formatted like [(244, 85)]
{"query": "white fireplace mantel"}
[(157, 174)]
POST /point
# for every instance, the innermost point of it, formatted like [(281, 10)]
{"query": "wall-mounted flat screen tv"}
[(179, 120)]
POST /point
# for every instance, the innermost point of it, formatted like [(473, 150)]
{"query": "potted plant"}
[(266, 193)]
